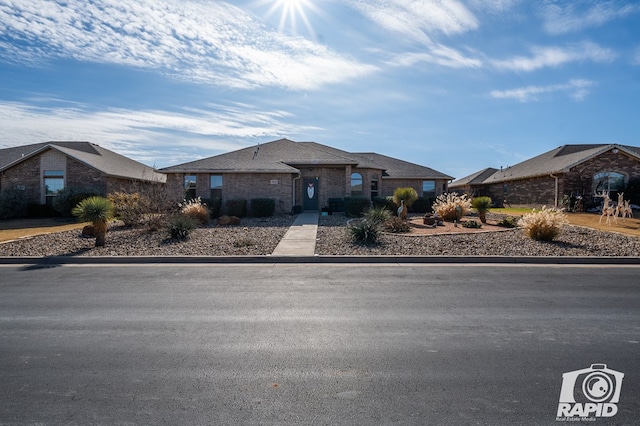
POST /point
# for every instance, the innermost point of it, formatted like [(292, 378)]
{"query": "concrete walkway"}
[(300, 239)]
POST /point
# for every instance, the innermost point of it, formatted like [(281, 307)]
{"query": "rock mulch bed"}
[(254, 236), (260, 236), (333, 239)]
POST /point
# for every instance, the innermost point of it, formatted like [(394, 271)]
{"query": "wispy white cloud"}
[(565, 17), (577, 89), (210, 42), (417, 19), (422, 21), (157, 135), (440, 55), (542, 57)]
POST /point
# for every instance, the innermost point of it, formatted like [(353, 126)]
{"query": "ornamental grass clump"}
[(364, 232), (543, 225), (196, 210), (451, 206)]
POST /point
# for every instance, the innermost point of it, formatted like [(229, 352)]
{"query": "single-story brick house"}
[(569, 170), (305, 174), (40, 170)]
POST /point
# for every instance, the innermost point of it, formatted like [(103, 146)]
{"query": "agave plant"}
[(98, 211)]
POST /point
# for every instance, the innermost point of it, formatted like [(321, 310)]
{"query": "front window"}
[(190, 187), (356, 184), (428, 189), (608, 182), (216, 186), (53, 183)]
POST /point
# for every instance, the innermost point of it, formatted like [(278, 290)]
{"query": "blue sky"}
[(454, 85)]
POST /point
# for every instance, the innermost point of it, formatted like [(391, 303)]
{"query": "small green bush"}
[(396, 225), (364, 232), (12, 204), (377, 214), (236, 207), (180, 226), (472, 224), (356, 206), (263, 207), (508, 222), (543, 225)]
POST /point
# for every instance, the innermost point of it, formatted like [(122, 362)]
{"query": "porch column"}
[(347, 188)]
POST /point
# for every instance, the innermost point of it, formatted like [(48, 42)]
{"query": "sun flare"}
[(291, 12)]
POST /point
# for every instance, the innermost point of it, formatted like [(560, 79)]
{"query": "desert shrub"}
[(508, 222), (364, 232), (194, 209), (384, 202), (377, 214), (180, 226), (155, 222), (66, 199), (263, 207), (482, 205), (408, 195), (356, 206), (12, 204), (214, 205), (543, 225), (471, 224), (130, 208), (396, 225), (97, 210), (446, 205), (236, 207), (422, 205)]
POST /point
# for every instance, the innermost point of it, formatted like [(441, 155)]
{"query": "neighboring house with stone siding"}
[(305, 174), (41, 170), (569, 170)]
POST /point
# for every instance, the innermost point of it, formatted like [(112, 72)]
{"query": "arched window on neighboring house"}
[(356, 184), (611, 182)]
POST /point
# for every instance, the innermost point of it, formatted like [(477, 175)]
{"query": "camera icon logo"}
[(590, 392)]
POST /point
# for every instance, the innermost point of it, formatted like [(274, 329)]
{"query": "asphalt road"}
[(311, 344)]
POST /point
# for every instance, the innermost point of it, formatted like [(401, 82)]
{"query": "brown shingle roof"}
[(559, 160), (104, 160), (399, 169)]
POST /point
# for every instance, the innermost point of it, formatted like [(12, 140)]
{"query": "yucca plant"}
[(377, 214), (98, 211), (482, 206), (403, 198)]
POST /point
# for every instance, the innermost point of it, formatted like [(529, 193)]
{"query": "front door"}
[(310, 194)]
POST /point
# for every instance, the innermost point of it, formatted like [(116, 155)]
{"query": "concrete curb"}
[(270, 259)]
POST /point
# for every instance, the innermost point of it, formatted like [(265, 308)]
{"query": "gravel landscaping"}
[(572, 241), (259, 236)]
